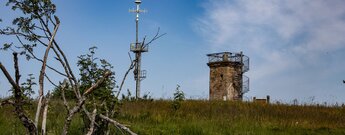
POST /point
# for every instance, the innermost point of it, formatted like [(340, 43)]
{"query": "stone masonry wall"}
[(225, 80)]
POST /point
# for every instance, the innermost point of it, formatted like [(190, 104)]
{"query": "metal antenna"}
[(138, 48)]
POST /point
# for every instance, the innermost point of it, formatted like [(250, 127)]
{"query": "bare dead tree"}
[(40, 27), (26, 30), (18, 102)]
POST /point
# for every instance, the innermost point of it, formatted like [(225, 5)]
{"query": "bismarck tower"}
[(227, 81)]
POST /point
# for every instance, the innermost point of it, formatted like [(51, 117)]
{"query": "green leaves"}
[(34, 8), (6, 46), (32, 26), (178, 98), (91, 70), (27, 86), (179, 94), (25, 25)]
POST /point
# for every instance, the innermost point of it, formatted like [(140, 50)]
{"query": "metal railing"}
[(245, 84), (142, 75), (139, 47), (230, 57)]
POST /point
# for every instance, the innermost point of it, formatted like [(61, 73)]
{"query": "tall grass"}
[(199, 117), (219, 117)]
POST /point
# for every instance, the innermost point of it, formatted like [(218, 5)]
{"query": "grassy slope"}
[(202, 117)]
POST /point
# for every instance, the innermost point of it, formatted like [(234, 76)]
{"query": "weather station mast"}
[(137, 48)]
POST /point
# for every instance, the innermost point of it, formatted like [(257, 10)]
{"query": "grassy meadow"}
[(197, 117)]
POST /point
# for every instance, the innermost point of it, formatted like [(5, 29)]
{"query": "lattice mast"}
[(138, 48)]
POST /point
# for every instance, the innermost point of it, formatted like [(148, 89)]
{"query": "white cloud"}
[(279, 36)]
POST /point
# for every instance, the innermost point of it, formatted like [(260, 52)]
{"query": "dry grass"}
[(218, 117), (201, 117)]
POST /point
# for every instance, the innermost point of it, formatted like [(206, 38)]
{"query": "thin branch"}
[(117, 124), (69, 69), (131, 66), (34, 56), (157, 36), (9, 78), (44, 31), (33, 34), (64, 62), (39, 40), (40, 28), (71, 79), (48, 17), (50, 80), (22, 34), (63, 87)]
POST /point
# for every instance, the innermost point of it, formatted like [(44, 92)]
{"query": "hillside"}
[(201, 117)]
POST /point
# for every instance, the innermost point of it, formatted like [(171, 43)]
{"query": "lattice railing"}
[(230, 57)]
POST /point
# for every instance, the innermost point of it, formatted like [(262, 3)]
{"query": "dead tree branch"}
[(92, 123), (63, 87), (45, 113), (51, 82), (157, 36), (96, 85), (81, 101), (36, 58), (131, 66), (6, 102), (42, 72), (9, 78), (64, 62), (117, 124), (28, 123)]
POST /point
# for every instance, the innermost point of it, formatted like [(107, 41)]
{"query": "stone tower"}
[(227, 81)]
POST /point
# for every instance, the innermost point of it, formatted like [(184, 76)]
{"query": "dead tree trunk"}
[(42, 72), (45, 114), (18, 102)]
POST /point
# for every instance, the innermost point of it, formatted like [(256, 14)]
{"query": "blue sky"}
[(296, 47)]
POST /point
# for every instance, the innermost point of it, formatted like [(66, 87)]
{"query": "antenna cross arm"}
[(137, 11)]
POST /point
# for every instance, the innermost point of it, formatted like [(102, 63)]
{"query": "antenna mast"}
[(138, 48)]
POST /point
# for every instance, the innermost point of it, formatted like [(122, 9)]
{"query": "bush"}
[(178, 98)]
